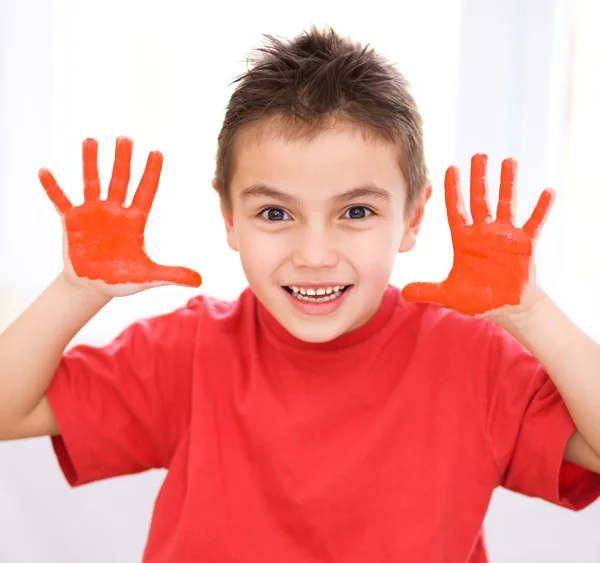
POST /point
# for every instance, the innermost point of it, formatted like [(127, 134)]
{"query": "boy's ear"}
[(414, 220), (227, 214)]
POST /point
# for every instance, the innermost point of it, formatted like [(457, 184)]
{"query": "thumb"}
[(175, 275), (425, 292)]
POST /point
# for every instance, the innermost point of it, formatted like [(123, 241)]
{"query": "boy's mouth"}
[(321, 294)]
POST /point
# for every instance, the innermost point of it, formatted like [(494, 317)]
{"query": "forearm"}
[(31, 347), (570, 357)]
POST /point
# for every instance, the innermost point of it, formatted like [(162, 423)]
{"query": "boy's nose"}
[(315, 250)]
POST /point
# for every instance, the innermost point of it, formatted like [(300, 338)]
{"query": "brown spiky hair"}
[(319, 78)]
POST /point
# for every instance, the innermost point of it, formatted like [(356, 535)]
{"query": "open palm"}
[(104, 240), (493, 260)]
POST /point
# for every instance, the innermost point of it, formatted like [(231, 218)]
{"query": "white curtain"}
[(579, 251), (488, 76)]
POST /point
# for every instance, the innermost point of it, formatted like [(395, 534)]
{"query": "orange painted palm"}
[(493, 260), (103, 239)]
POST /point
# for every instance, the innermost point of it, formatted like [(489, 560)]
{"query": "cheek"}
[(260, 252), (373, 248)]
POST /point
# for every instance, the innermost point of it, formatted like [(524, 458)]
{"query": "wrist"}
[(80, 294), (520, 320)]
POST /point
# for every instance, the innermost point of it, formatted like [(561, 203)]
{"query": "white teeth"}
[(313, 300), (319, 291), (319, 295)]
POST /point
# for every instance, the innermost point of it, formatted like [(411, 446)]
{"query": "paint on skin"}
[(492, 259), (105, 238)]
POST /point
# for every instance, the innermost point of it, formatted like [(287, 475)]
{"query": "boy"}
[(322, 416)]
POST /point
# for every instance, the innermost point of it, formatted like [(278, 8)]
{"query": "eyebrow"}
[(370, 191), (258, 190)]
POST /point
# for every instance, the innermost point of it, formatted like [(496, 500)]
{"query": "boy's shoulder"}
[(445, 332), (218, 307), (431, 319), (221, 313)]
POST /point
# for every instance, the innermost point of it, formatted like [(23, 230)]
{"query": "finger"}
[(175, 275), (542, 209), (56, 195), (91, 181), (117, 189), (455, 206), (144, 195), (425, 292), (506, 199), (480, 209)]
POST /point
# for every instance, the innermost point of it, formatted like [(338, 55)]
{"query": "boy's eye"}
[(357, 213), (274, 214)]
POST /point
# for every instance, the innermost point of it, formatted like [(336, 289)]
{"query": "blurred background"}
[(514, 78)]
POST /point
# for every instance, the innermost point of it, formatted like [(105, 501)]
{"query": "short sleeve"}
[(528, 427), (122, 408)]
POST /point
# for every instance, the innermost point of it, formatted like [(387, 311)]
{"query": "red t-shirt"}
[(384, 444)]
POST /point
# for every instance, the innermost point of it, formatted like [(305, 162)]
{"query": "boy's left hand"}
[(493, 260)]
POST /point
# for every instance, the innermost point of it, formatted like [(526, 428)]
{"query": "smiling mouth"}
[(321, 295)]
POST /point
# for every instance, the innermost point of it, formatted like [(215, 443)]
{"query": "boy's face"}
[(318, 224)]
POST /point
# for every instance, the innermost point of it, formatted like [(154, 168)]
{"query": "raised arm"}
[(104, 257)]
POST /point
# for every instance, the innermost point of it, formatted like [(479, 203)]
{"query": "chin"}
[(311, 332), (314, 329), (314, 337)]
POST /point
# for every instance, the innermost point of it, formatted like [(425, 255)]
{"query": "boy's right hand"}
[(103, 241)]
